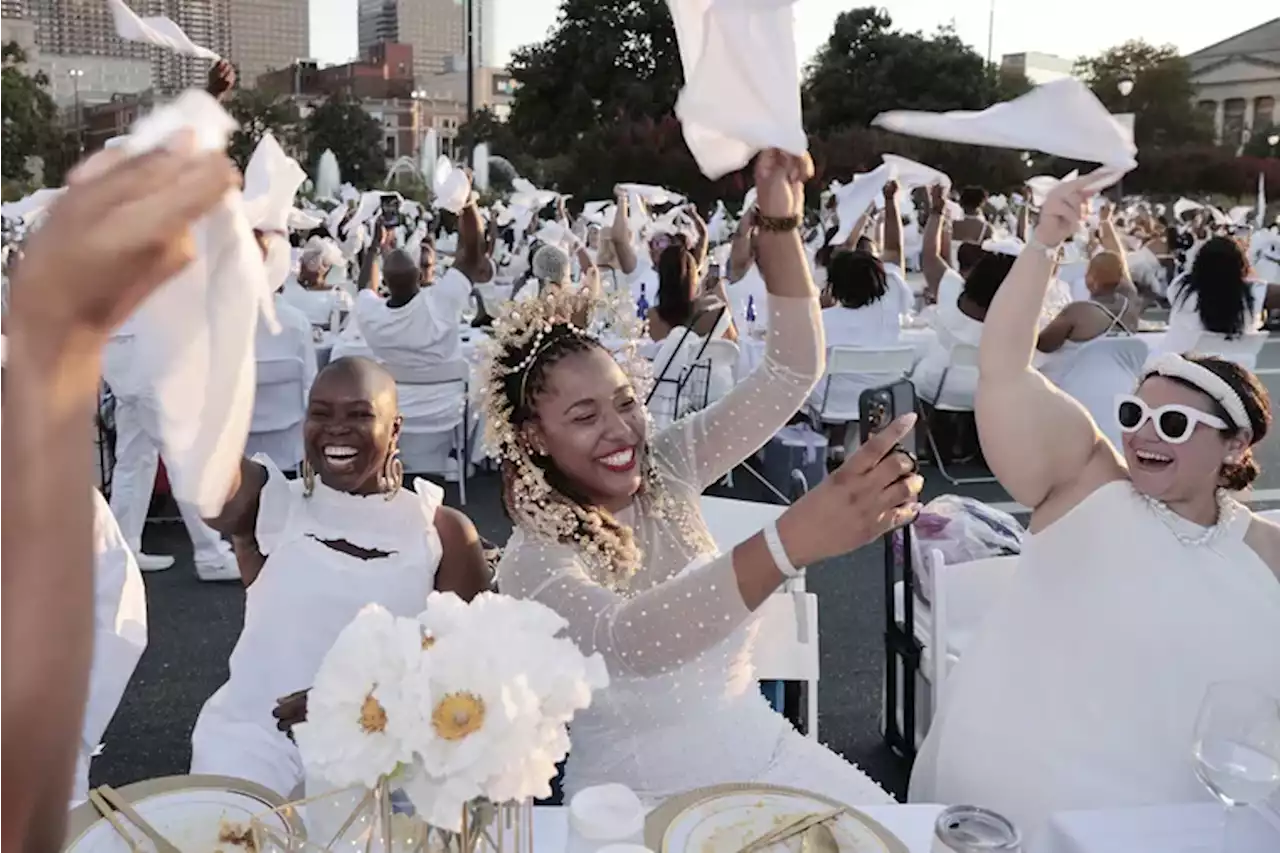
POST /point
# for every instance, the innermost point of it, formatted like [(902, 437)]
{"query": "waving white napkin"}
[(853, 199), (1184, 206), (718, 226), (742, 80), (304, 220), (271, 180), (1011, 246), (160, 31), (1061, 117), (527, 195), (651, 194), (194, 336), (1042, 185), (554, 233), (451, 185), (909, 174), (480, 165), (28, 208)]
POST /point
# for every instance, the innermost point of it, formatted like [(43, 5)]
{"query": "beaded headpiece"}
[(530, 329)]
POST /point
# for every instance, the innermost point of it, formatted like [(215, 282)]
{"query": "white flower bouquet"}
[(467, 704)]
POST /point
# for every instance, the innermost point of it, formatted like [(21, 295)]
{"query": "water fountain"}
[(480, 166), (427, 156), (328, 175)]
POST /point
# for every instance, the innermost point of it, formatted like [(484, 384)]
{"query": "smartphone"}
[(879, 407), (390, 210)]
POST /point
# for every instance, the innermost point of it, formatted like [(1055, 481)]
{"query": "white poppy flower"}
[(360, 712)]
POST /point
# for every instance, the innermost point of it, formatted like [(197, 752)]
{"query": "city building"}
[(1237, 82), (113, 118), (493, 88), (1038, 67), (435, 28), (266, 35), (17, 25), (386, 73)]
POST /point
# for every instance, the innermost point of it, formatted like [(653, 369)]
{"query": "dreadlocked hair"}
[(588, 526)]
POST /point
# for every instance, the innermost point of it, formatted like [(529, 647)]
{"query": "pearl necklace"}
[(1227, 510)]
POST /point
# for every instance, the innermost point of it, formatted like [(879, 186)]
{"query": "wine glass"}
[(1237, 745)]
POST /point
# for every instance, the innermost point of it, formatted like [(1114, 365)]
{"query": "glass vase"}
[(381, 819)]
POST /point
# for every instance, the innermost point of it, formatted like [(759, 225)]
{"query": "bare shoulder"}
[(454, 527), (1263, 536)]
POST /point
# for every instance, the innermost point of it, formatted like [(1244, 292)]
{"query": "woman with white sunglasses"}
[(1143, 580)]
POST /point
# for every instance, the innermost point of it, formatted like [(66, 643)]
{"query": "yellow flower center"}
[(373, 717), (428, 639), (458, 715)]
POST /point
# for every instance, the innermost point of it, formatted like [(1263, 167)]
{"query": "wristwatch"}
[(777, 223)]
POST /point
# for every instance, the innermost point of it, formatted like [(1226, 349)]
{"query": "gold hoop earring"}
[(392, 477), (308, 478)]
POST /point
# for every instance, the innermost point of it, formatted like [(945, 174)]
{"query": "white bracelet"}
[(778, 553)]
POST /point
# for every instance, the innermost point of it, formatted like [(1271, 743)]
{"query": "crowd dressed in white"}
[(1143, 581)]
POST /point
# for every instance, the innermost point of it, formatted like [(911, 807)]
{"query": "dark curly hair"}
[(521, 389), (857, 279), (1257, 405)]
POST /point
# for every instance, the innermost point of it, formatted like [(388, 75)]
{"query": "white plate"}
[(731, 821), (191, 819)]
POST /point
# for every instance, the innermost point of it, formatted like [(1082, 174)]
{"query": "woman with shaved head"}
[(344, 535)]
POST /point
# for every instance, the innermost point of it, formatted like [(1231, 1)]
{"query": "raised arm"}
[(473, 259), (740, 255), (1110, 238), (892, 249), (703, 447), (931, 261), (652, 632), (131, 216), (1036, 439), (699, 249), (620, 234)]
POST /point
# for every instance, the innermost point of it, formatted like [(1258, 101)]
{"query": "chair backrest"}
[(1242, 350), (895, 361), (961, 595), (964, 356), (280, 401), (786, 647), (458, 370), (723, 356)]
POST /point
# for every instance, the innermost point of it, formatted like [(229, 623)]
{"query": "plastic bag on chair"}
[(963, 529)]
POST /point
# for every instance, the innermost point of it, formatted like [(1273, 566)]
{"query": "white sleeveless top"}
[(307, 592), (1081, 687)]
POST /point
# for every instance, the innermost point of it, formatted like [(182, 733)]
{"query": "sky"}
[(1073, 29)]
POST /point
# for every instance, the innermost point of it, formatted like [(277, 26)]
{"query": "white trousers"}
[(134, 477)]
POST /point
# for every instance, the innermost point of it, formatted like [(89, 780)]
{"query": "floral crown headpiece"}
[(533, 327)]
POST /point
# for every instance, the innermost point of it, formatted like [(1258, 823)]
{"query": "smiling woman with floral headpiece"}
[(609, 534)]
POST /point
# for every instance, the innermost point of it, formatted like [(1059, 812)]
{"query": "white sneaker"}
[(227, 570), (154, 562)]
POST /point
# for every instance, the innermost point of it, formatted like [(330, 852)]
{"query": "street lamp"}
[(1125, 86), (418, 96), (75, 74)]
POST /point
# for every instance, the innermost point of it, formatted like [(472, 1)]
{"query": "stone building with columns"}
[(1237, 82)]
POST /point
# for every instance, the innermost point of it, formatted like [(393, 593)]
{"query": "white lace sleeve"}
[(644, 635), (705, 446)]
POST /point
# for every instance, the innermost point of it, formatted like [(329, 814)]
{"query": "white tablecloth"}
[(913, 824), (1195, 828)]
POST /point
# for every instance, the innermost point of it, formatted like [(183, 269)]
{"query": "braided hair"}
[(592, 524)]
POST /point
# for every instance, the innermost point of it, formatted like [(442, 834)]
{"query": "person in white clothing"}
[(608, 532), (324, 305), (314, 552), (1218, 295), (119, 634), (1142, 583)]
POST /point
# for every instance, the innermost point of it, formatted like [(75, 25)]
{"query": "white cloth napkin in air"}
[(741, 80), (452, 186), (1042, 185), (271, 180), (160, 31), (909, 174), (1061, 117), (194, 336)]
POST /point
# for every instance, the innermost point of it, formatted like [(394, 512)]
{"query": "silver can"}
[(969, 829)]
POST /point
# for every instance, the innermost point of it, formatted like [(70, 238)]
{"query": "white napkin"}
[(480, 165), (194, 336), (554, 233), (27, 209), (749, 201), (271, 180), (304, 220), (651, 194), (718, 226), (451, 185), (1011, 246), (1061, 117), (1042, 185), (160, 31), (1185, 205), (334, 220), (742, 80), (909, 174), (527, 195), (853, 199)]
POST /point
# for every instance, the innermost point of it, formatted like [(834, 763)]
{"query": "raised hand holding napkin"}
[(452, 186)]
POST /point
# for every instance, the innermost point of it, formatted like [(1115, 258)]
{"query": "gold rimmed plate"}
[(727, 817), (193, 812)]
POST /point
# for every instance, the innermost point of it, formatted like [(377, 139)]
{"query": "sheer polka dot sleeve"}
[(646, 634), (705, 446)]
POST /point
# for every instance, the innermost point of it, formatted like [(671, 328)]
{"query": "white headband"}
[(1172, 364)]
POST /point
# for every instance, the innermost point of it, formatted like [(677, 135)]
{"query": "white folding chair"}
[(786, 647), (724, 356), (959, 596), (420, 435), (1242, 350), (279, 409), (963, 363), (852, 370)]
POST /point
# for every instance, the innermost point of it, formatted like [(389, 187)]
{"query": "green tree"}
[(867, 67), (342, 126), (605, 61), (258, 113), (31, 125), (1162, 96)]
